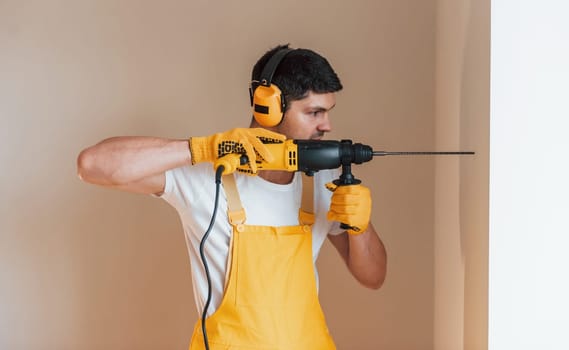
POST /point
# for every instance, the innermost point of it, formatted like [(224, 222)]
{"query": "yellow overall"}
[(270, 301)]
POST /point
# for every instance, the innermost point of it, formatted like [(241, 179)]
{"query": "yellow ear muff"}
[(268, 105), (266, 98)]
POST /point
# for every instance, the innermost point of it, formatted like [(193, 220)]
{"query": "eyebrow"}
[(320, 108)]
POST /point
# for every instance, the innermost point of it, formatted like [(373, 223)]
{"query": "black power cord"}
[(218, 173)]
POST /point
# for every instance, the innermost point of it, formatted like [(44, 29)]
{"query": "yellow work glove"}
[(351, 206), (244, 141)]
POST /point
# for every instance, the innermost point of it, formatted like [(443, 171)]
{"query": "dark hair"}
[(300, 71)]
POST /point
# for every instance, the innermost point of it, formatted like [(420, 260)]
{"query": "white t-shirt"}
[(191, 191)]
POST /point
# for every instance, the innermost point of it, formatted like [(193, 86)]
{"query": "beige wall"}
[(87, 268)]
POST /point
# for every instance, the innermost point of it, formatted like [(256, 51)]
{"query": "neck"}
[(277, 177)]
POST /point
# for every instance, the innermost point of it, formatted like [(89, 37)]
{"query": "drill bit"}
[(387, 153)]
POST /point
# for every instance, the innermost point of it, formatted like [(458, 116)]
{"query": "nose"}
[(325, 125)]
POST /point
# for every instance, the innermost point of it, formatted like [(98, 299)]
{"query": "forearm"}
[(367, 258), (127, 159)]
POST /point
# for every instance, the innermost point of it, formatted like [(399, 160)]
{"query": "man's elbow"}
[(86, 166), (372, 278), (374, 282)]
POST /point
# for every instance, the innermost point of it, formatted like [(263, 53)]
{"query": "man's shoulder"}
[(189, 178), (200, 169)]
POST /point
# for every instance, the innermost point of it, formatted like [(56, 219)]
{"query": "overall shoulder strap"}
[(235, 210), (306, 212)]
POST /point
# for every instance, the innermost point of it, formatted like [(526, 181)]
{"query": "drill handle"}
[(346, 178)]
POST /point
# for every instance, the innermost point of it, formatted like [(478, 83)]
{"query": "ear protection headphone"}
[(267, 99)]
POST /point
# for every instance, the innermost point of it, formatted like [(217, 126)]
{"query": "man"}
[(259, 290)]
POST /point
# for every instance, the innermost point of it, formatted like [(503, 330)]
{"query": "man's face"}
[(308, 118)]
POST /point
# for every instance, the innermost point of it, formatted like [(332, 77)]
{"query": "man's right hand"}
[(245, 141)]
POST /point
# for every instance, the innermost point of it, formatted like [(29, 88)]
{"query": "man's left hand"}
[(351, 205)]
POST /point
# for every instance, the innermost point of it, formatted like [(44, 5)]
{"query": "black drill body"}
[(314, 155)]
